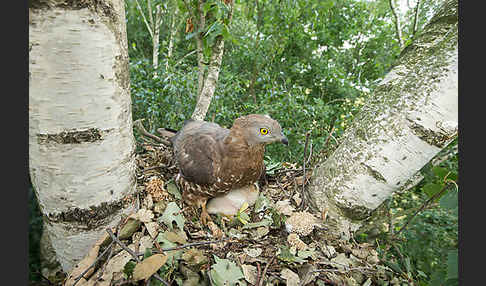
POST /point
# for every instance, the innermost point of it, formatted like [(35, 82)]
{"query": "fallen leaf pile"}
[(273, 242)]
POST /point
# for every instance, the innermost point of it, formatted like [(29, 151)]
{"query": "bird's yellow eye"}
[(264, 131)]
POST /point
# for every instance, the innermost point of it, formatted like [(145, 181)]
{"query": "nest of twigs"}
[(164, 243)]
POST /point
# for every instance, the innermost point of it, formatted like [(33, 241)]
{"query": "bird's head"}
[(260, 129)]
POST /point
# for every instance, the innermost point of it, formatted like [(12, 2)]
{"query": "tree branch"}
[(144, 19), (139, 126), (397, 23), (415, 22)]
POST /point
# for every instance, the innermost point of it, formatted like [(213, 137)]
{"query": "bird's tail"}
[(167, 132)]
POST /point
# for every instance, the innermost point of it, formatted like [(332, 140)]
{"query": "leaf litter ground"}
[(173, 248)]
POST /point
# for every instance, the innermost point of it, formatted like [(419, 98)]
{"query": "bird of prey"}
[(216, 162)]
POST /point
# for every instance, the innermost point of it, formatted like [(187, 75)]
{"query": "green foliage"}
[(307, 64), (172, 214), (428, 253), (225, 272), (35, 232)]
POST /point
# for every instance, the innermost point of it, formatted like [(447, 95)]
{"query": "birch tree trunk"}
[(398, 25), (173, 33), (410, 117), (156, 40), (209, 86), (81, 144)]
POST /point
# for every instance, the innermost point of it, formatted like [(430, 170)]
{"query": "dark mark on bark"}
[(72, 137), (375, 174), (437, 139), (93, 216)]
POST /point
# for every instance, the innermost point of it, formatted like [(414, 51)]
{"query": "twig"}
[(122, 245), (111, 249), (189, 245), (414, 26), (154, 167), (188, 54), (265, 270), (343, 270), (424, 205), (329, 136), (138, 124), (259, 270), (144, 19), (93, 264)]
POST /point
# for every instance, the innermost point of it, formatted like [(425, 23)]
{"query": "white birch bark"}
[(411, 116), (173, 32), (81, 144), (209, 86), (156, 40)]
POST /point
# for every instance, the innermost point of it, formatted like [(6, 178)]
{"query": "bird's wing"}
[(198, 151)]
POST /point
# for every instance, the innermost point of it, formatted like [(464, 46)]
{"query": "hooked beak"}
[(284, 140)]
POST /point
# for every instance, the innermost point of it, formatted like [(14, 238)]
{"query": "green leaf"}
[(173, 213), (396, 267), (173, 190), (263, 222), (261, 203), (225, 272), (128, 268), (452, 265), (432, 188), (440, 172), (286, 256), (449, 200), (243, 218), (147, 253)]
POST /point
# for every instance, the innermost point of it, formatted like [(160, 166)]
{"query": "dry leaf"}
[(253, 252), (85, 263), (144, 215), (152, 228), (261, 232), (294, 241), (176, 237), (143, 270), (194, 257), (147, 202), (284, 207), (115, 265), (297, 198), (341, 261), (250, 273), (291, 277)]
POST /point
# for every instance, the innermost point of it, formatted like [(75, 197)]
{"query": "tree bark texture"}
[(81, 144), (156, 40), (173, 33), (210, 82), (411, 116)]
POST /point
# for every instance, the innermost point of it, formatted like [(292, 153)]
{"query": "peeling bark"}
[(81, 145), (411, 116)]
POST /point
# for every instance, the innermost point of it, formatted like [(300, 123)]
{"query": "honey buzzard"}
[(213, 160)]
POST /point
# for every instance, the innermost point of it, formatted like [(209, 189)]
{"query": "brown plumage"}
[(213, 160)]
